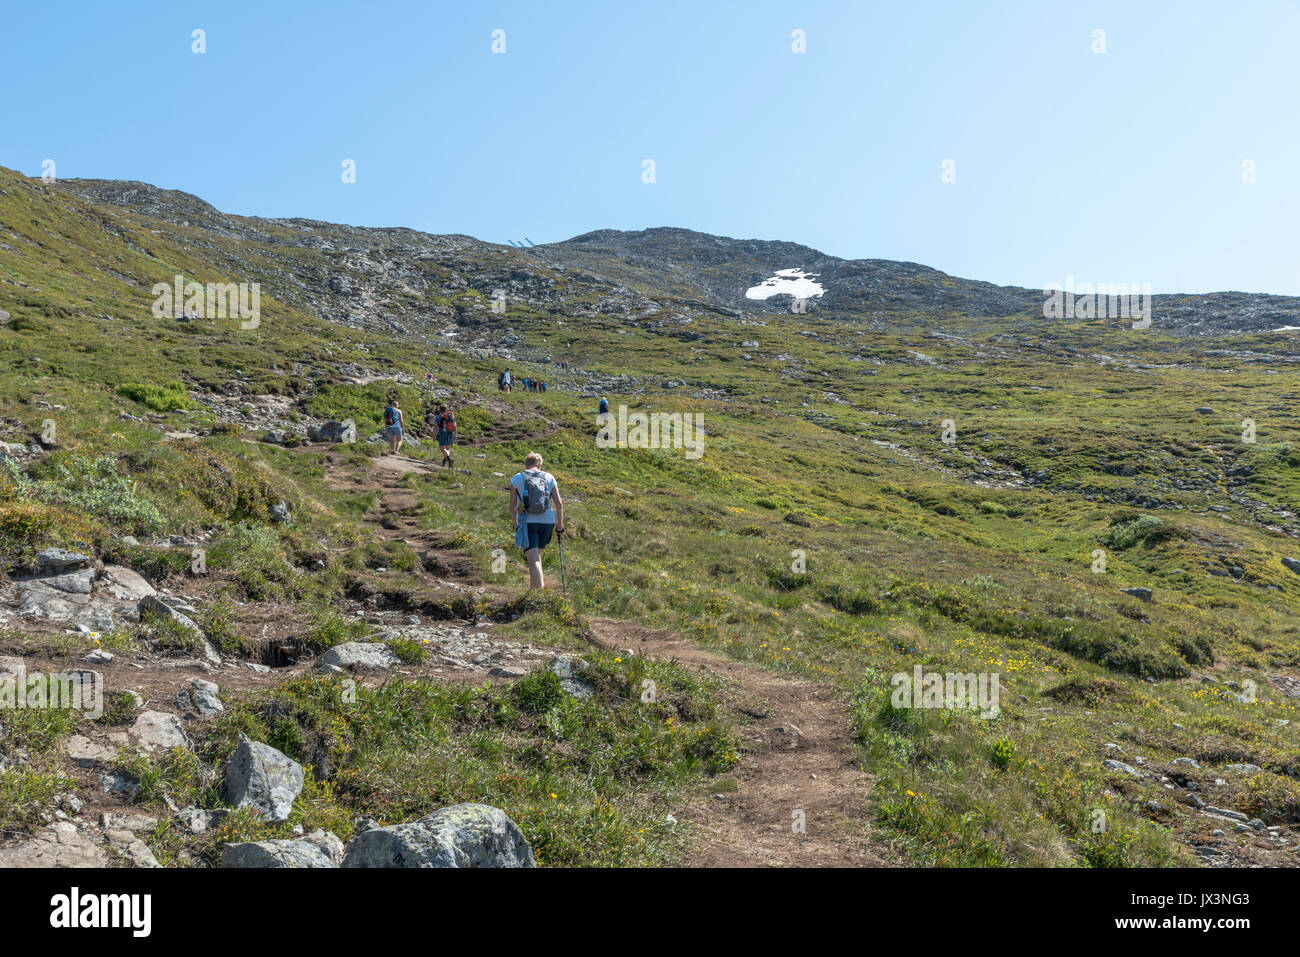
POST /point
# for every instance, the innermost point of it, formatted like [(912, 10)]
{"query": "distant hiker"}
[(604, 406), (543, 385), (445, 423), (393, 424), (503, 381), (537, 511)]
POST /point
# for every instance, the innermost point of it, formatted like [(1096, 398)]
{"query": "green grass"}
[(589, 781), (976, 556)]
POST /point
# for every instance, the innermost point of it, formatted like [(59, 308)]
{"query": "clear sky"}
[(1122, 166)]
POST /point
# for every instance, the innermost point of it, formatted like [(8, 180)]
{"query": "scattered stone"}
[(58, 560), (280, 512), (1224, 812), (353, 654), (197, 820), (260, 777), (124, 584), (98, 620), (567, 669), (117, 821), (1242, 768), (118, 784), (334, 431), (1293, 564), (135, 851), (1112, 765), (317, 849), (157, 731), (1141, 594), (463, 835), (59, 845), (86, 753), (199, 697), (98, 657)]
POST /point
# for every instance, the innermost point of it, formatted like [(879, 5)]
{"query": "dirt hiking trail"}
[(798, 752)]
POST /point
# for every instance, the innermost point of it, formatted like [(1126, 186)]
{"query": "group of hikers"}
[(444, 423), (506, 383), (536, 508)]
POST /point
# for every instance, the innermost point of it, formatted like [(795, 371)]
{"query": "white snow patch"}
[(1286, 328), (787, 282)]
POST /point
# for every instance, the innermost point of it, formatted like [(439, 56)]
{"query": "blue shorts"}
[(539, 535), (446, 438)]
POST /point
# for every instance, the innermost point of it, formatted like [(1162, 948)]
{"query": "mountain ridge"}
[(715, 271)]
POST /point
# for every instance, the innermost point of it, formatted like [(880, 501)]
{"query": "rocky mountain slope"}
[(370, 277), (913, 473)]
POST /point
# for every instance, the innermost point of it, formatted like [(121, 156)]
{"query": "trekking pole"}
[(564, 585)]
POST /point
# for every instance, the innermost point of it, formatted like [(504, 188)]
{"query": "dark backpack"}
[(537, 495)]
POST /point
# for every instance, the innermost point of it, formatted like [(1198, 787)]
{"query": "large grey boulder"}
[(38, 598), (60, 559), (260, 777), (1293, 564), (124, 584), (352, 654), (317, 849), (334, 431), (463, 835)]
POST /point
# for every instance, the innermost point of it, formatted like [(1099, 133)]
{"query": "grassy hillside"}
[(825, 440)]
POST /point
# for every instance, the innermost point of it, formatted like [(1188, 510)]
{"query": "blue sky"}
[(1123, 166)]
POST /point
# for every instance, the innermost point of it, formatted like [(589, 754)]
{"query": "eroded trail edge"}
[(799, 760)]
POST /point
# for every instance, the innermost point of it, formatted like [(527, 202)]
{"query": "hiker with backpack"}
[(445, 423), (604, 407), (537, 511), (503, 381), (393, 424)]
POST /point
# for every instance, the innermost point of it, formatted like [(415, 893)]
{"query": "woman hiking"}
[(393, 424), (537, 511), (445, 423)]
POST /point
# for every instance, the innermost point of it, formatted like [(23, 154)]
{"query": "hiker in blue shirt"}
[(537, 511), (604, 406), (445, 423), (393, 425)]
